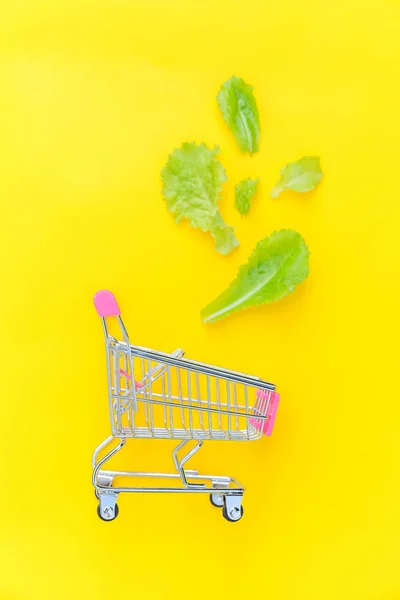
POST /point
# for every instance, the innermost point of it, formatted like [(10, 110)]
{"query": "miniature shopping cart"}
[(165, 396)]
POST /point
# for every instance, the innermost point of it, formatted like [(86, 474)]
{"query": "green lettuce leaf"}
[(239, 110), (192, 182), (300, 176), (244, 192), (277, 264)]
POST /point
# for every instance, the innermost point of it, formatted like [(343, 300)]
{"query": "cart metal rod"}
[(189, 473), (188, 407), (206, 490), (193, 365)]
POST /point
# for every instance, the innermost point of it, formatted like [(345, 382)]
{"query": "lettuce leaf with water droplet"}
[(244, 192), (192, 182), (277, 264), (300, 176), (239, 110)]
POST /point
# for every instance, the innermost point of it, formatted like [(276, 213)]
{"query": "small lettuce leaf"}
[(192, 182), (244, 192), (300, 176), (239, 110), (277, 264)]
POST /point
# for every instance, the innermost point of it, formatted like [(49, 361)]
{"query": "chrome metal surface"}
[(107, 505), (179, 463), (233, 507), (166, 396), (217, 499), (155, 395)]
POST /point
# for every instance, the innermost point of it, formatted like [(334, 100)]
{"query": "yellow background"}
[(94, 95)]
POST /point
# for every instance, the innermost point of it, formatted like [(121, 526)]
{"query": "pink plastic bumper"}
[(267, 424)]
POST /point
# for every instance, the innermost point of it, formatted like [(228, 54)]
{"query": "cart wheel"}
[(217, 500), (115, 515), (232, 518)]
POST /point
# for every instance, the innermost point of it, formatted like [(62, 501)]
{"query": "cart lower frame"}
[(225, 492)]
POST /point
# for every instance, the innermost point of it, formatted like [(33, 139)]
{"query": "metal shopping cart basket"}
[(165, 396)]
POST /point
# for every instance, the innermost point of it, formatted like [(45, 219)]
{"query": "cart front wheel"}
[(217, 500), (235, 514), (108, 514)]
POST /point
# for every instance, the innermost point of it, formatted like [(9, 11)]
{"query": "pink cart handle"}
[(106, 304)]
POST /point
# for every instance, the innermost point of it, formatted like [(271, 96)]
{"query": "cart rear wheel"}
[(113, 515), (233, 515), (217, 500)]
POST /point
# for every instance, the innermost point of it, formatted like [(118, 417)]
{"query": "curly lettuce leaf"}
[(192, 182), (300, 176), (277, 264), (239, 110), (244, 192)]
